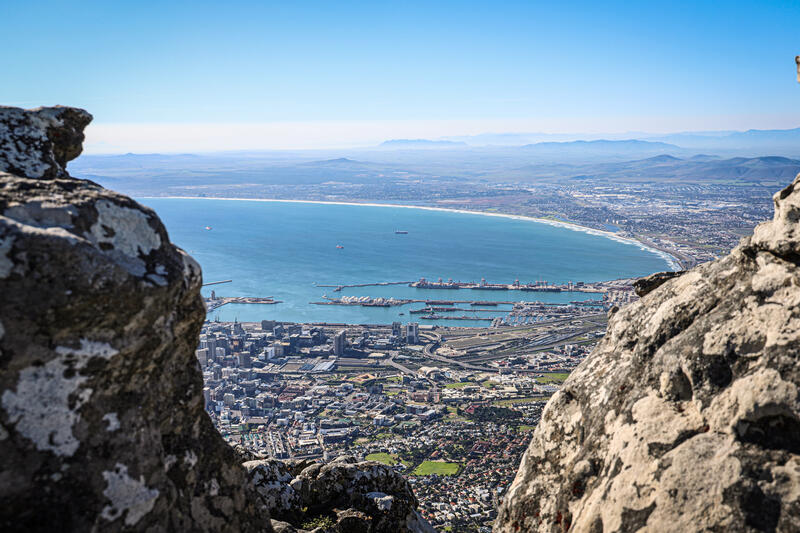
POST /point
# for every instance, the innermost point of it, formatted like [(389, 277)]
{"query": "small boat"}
[(208, 228), (339, 246), (401, 314), (400, 232)]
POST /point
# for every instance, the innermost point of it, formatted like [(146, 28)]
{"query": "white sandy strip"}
[(671, 260)]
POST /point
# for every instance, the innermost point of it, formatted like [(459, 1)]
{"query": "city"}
[(450, 408)]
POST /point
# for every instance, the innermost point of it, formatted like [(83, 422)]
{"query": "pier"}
[(216, 303), (217, 282), (440, 305), (337, 288), (423, 283)]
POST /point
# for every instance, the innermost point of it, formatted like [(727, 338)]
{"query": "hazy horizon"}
[(174, 78)]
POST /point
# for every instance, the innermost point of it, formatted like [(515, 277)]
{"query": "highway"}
[(428, 350)]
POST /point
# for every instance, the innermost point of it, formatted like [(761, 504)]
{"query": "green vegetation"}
[(384, 458), (428, 468), (514, 401), (319, 521), (459, 385), (382, 435), (553, 377), (489, 384), (524, 429)]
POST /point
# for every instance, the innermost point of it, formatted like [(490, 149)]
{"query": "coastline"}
[(672, 261)]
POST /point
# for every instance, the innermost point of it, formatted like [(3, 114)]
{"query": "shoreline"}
[(672, 261)]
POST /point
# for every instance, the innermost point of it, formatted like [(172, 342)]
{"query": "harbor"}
[(418, 301), (449, 284), (444, 305), (215, 302)]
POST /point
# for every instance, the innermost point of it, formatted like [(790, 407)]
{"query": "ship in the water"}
[(339, 246), (400, 232)]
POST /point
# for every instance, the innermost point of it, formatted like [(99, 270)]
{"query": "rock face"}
[(102, 426), (367, 496), (686, 417)]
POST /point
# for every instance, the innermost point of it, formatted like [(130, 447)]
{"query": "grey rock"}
[(38, 143), (352, 521), (284, 527), (375, 495), (101, 404), (686, 417), (650, 283), (102, 426)]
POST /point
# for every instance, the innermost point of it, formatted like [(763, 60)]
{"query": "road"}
[(428, 350)]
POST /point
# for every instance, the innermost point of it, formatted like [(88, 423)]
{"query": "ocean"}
[(284, 249)]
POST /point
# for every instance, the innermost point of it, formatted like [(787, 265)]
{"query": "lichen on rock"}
[(686, 415), (355, 495), (102, 421), (99, 385)]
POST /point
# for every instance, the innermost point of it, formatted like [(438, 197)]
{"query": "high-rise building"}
[(412, 333), (397, 329), (338, 343), (202, 356)]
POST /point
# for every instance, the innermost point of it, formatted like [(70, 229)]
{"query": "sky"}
[(203, 76)]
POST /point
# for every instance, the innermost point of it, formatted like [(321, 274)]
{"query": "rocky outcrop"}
[(352, 496), (102, 425), (686, 417)]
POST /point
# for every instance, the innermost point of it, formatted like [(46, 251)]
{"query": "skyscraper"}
[(338, 343), (412, 333)]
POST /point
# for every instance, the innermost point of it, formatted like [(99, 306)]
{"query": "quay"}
[(337, 288), (423, 283), (217, 282), (442, 317), (538, 286), (443, 305), (215, 302)]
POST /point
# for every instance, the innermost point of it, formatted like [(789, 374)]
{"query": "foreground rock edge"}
[(102, 425), (686, 415)]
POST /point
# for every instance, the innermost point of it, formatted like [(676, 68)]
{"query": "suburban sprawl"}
[(451, 408)]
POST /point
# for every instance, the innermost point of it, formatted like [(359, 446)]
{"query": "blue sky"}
[(352, 71)]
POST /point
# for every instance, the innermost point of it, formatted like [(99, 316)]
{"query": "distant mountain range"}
[(666, 168), (600, 147), (750, 142), (420, 144)]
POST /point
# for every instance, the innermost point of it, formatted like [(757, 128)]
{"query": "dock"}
[(218, 302), (423, 283), (337, 288)]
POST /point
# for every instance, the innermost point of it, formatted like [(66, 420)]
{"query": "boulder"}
[(102, 422), (368, 496), (686, 417), (102, 426)]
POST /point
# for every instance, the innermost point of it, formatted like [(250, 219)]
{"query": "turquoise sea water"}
[(282, 249)]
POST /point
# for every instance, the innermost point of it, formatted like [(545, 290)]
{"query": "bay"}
[(283, 249)]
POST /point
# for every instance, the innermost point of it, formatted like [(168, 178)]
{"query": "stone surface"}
[(102, 425), (686, 417), (38, 143), (650, 283), (101, 403), (366, 496)]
